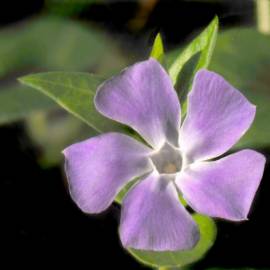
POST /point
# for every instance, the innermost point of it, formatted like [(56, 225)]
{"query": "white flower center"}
[(168, 160)]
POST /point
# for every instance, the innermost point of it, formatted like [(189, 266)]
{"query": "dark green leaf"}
[(75, 92)]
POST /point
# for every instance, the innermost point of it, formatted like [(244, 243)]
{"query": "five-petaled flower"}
[(178, 160)]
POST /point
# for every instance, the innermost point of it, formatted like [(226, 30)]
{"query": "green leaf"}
[(157, 49), (208, 233), (51, 43), (242, 56), (19, 101), (203, 44), (120, 196), (74, 91), (196, 55)]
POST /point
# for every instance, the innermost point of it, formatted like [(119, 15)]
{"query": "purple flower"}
[(177, 160)]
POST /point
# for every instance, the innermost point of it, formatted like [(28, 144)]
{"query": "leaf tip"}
[(157, 51), (215, 21), (23, 79)]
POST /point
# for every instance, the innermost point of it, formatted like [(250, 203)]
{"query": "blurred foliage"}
[(17, 101), (68, 7), (51, 43), (53, 131)]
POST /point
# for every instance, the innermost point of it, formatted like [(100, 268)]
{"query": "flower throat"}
[(167, 160)]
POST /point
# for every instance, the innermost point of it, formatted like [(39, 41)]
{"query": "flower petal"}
[(224, 188), (99, 167), (154, 219), (218, 115), (143, 97)]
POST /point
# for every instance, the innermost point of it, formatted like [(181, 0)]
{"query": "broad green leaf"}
[(157, 49), (242, 56), (74, 91), (49, 43), (179, 259), (19, 101), (184, 64)]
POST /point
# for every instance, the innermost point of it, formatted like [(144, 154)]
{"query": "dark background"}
[(42, 226)]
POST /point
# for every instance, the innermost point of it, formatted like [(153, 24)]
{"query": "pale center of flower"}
[(167, 160)]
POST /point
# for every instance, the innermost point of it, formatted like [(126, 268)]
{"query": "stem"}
[(174, 268), (263, 16)]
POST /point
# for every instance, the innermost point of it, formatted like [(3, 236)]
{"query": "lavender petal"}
[(154, 219), (143, 97), (218, 115), (224, 188), (99, 167)]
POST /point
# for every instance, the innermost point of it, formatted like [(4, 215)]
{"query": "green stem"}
[(263, 16), (174, 268)]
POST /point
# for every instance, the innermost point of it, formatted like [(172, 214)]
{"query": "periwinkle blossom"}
[(177, 161)]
